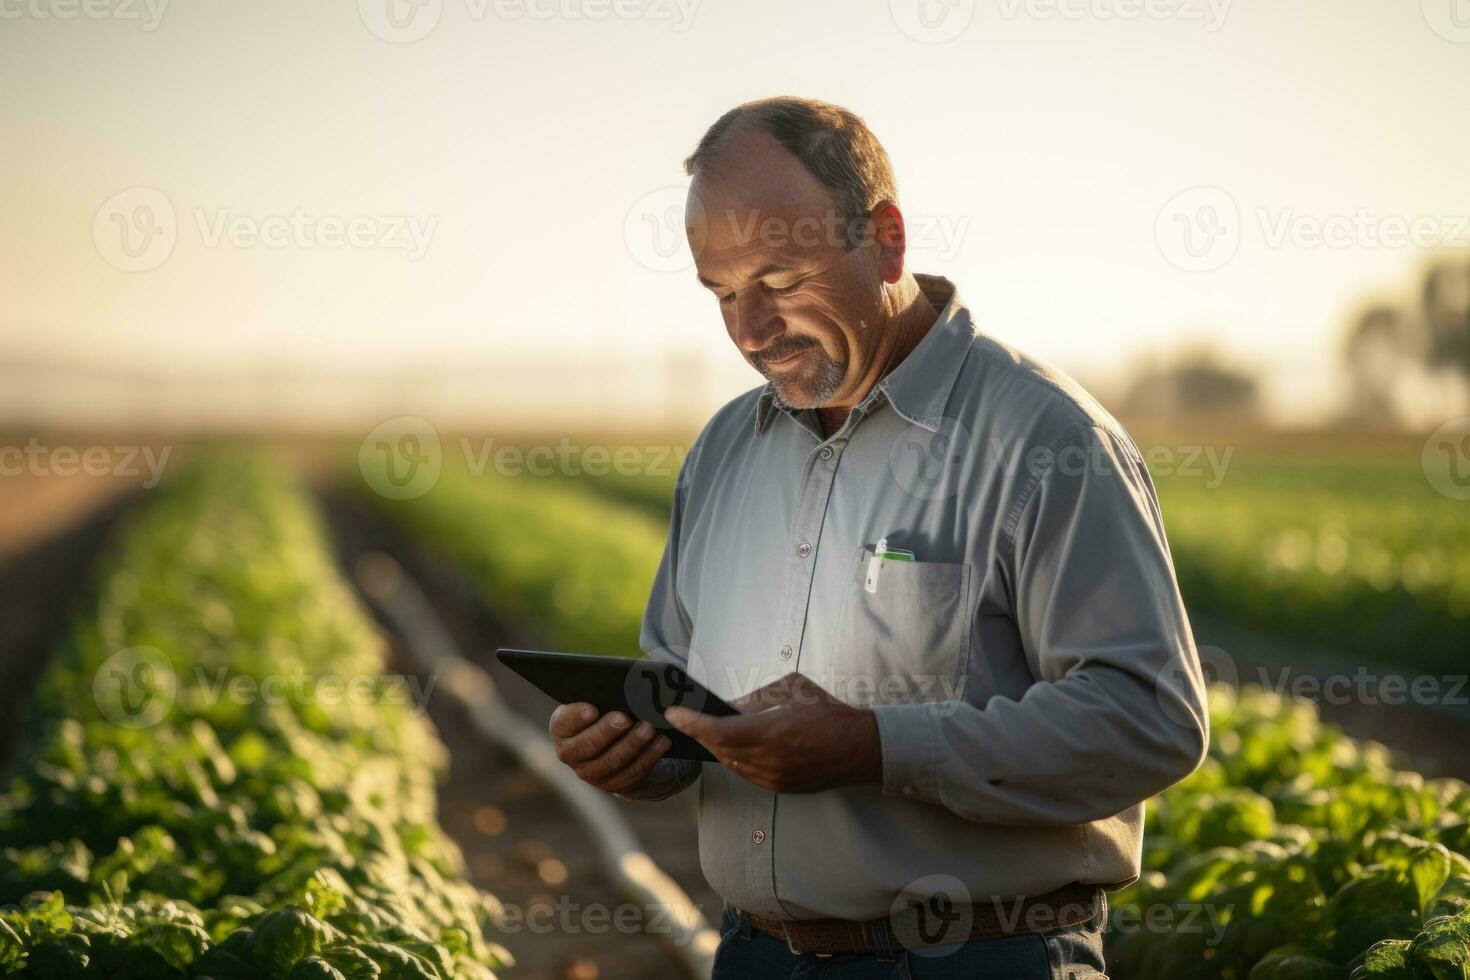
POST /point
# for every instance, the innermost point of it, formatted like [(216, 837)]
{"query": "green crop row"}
[(1294, 852), (542, 552), (217, 779), (1350, 551)]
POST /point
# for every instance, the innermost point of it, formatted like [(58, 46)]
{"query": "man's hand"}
[(610, 752), (790, 737)]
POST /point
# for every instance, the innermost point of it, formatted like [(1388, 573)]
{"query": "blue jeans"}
[(1074, 953)]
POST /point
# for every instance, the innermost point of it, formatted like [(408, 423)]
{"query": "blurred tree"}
[(1445, 309), (1378, 359), (1196, 383), (1391, 352)]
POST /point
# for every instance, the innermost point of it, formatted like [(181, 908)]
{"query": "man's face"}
[(769, 243)]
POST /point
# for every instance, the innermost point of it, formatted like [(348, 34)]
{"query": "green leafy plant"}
[(1305, 848), (193, 819)]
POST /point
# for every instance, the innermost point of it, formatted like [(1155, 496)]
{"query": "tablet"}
[(642, 689)]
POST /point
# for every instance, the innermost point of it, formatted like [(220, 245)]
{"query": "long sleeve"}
[(665, 635), (1117, 711)]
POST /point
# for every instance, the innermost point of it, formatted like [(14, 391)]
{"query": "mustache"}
[(781, 350)]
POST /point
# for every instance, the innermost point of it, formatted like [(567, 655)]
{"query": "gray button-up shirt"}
[(1031, 669)]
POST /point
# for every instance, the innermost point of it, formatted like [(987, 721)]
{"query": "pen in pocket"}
[(881, 554)]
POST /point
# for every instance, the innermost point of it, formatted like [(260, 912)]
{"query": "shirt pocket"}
[(908, 641)]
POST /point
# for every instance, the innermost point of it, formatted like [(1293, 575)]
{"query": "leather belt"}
[(936, 922)]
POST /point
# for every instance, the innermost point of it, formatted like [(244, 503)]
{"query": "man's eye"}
[(726, 299), (784, 290)]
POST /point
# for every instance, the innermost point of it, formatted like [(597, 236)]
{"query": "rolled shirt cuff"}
[(906, 733), (667, 777)]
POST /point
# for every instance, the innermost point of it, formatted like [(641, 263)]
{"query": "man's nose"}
[(756, 321)]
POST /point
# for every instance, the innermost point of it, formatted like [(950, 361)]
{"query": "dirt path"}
[(521, 843), (41, 584), (35, 507)]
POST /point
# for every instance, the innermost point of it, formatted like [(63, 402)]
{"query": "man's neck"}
[(832, 419), (902, 333)]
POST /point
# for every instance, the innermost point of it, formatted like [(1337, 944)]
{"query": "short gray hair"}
[(833, 143)]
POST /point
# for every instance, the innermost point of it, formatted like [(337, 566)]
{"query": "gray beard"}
[(826, 383)]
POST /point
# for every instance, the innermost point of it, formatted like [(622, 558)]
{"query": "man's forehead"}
[(759, 207), (730, 263), (735, 234)]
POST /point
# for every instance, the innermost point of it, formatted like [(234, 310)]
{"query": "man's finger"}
[(633, 773), (792, 687), (711, 731), (697, 725), (621, 752), (766, 696), (570, 719), (592, 741)]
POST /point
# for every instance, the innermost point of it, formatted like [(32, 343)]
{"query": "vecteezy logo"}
[(933, 915), (932, 21), (402, 458), (933, 930), (654, 686), (927, 463), (1199, 230), (135, 230), (135, 687), (1450, 19), (401, 21), (1446, 459), (655, 229)]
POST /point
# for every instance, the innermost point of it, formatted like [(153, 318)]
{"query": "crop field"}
[(1332, 546), (1294, 852), (154, 825), (157, 823)]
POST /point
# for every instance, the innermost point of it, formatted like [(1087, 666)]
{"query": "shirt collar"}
[(919, 388)]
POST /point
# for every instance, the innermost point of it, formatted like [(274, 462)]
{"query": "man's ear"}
[(891, 238)]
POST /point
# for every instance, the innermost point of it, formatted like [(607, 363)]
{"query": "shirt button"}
[(786, 652), (759, 836), (804, 549), (826, 452)]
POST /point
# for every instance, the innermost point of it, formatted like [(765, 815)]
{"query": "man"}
[(932, 570)]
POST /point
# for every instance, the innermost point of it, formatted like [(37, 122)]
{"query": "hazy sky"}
[(509, 181)]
